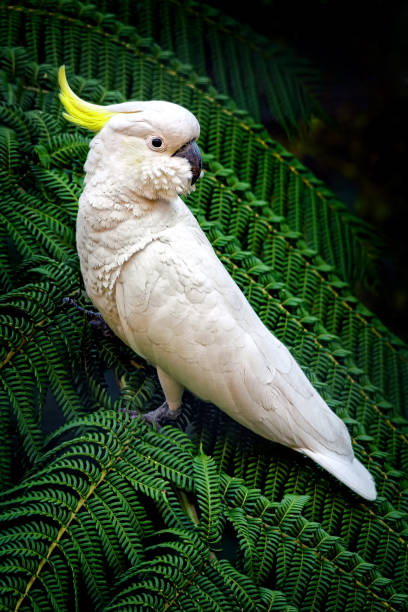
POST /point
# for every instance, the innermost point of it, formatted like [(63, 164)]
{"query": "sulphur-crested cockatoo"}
[(154, 276)]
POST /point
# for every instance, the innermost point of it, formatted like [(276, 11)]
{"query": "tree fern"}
[(147, 71), (200, 35), (104, 512), (78, 529)]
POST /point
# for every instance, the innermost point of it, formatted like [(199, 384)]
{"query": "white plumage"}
[(151, 272)]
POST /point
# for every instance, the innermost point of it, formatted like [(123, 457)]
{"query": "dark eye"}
[(155, 143)]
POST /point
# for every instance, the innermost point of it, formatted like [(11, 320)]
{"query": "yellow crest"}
[(85, 114)]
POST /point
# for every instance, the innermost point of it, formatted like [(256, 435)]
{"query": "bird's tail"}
[(351, 473)]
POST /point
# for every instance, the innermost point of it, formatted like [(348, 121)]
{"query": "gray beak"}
[(192, 153)]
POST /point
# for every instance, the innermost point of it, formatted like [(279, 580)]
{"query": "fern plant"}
[(261, 76), (100, 512), (98, 46)]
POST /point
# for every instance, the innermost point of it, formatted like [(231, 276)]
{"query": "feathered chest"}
[(111, 228), (104, 243)]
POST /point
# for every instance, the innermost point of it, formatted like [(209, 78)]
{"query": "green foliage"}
[(104, 513), (258, 70), (99, 46)]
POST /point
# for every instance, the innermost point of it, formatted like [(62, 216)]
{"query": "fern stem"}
[(61, 532), (23, 342), (190, 509)]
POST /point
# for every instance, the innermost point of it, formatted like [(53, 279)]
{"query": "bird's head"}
[(151, 146)]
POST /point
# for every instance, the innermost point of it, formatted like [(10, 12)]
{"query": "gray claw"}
[(157, 417)]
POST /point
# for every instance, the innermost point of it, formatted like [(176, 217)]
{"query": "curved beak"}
[(192, 153)]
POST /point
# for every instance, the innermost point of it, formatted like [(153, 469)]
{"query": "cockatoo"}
[(155, 278)]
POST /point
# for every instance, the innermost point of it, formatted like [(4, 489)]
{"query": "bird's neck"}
[(109, 189), (115, 221), (113, 225)]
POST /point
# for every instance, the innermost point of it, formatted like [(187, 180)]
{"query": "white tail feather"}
[(351, 473)]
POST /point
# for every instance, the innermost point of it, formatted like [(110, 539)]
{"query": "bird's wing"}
[(180, 309)]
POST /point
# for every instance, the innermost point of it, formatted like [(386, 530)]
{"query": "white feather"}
[(158, 283), (181, 311)]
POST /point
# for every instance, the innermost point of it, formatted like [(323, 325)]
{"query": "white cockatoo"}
[(155, 278)]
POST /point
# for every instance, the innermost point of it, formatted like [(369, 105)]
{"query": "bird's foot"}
[(95, 319), (159, 417)]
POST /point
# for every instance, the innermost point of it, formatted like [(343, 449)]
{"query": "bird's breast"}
[(109, 232)]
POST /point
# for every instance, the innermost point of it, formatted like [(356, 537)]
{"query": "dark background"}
[(361, 50)]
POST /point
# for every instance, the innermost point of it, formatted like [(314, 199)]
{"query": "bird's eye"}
[(156, 143)]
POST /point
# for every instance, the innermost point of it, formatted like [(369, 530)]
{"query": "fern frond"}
[(206, 482), (346, 241), (78, 523), (203, 37)]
